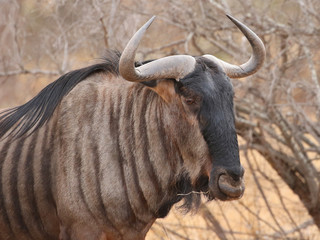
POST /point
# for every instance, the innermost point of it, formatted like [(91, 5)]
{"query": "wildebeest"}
[(104, 151)]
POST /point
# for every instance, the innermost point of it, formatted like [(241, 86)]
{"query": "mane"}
[(30, 116)]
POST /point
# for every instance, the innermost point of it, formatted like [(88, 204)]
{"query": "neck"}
[(156, 151), (173, 151)]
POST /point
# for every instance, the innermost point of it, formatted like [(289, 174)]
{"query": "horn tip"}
[(234, 20), (147, 24)]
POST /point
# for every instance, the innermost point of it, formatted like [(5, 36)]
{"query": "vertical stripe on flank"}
[(97, 165), (29, 209), (17, 222), (136, 197), (98, 194), (122, 160), (81, 150), (97, 144), (115, 108), (146, 145), (42, 180), (46, 158), (3, 210)]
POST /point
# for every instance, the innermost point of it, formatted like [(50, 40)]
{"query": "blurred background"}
[(278, 109)]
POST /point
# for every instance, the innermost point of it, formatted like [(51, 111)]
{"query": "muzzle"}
[(226, 184)]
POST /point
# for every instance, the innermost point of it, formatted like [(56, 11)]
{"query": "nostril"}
[(236, 178), (236, 173), (226, 183), (229, 187)]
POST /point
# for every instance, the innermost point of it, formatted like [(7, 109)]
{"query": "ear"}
[(164, 88)]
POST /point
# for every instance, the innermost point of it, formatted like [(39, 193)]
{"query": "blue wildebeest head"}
[(205, 91)]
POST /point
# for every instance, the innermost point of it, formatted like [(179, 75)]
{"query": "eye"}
[(190, 101)]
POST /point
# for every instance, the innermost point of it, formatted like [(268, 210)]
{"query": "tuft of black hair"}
[(188, 195), (27, 118)]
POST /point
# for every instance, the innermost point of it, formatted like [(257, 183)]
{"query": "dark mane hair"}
[(30, 116)]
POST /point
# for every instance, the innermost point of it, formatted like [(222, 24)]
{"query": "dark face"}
[(208, 93)]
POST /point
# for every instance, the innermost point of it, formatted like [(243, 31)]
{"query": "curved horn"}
[(175, 67), (253, 64)]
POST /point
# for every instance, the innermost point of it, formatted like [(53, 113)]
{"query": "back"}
[(28, 152)]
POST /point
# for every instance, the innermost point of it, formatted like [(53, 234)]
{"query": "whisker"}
[(192, 192)]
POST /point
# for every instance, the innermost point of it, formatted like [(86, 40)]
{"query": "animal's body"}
[(95, 156)]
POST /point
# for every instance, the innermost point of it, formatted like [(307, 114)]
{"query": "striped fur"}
[(95, 156), (27, 208), (103, 161)]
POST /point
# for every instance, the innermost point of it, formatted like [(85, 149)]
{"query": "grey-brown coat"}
[(104, 151)]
